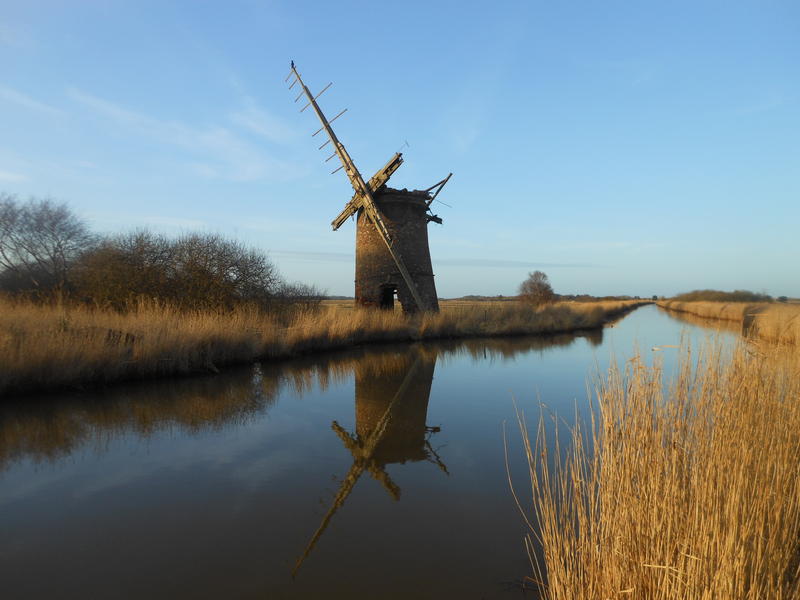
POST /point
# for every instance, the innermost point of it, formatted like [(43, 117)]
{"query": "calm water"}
[(374, 473)]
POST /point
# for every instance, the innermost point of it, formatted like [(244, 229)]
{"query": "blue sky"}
[(622, 147)]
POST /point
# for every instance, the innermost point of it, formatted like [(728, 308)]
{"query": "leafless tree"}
[(195, 271), (536, 289), (39, 240), (214, 272), (122, 268)]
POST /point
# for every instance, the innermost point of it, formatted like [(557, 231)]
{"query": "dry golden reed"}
[(769, 321), (692, 493), (45, 347)]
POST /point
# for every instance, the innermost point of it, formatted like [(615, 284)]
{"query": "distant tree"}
[(720, 296), (655, 297), (39, 241), (783, 299), (536, 289)]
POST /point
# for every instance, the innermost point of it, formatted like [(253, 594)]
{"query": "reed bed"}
[(688, 493), (771, 322), (43, 347)]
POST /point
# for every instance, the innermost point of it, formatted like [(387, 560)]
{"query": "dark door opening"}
[(387, 297)]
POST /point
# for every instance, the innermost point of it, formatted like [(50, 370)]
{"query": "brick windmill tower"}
[(392, 254)]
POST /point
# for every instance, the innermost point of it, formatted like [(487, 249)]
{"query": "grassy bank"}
[(769, 321), (46, 347), (689, 495)]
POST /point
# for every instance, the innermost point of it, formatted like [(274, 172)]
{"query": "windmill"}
[(392, 254)]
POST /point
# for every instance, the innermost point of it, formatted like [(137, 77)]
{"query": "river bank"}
[(771, 322), (650, 499), (62, 346)]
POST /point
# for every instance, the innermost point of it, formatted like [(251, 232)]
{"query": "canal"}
[(378, 472)]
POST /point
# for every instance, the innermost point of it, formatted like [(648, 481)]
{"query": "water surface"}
[(372, 473)]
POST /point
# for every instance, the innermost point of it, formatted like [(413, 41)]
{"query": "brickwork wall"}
[(405, 217)]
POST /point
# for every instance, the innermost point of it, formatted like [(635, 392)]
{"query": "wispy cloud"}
[(449, 262), (16, 97), (314, 256), (613, 245), (10, 177), (159, 222), (468, 109), (635, 72), (502, 263), (15, 36), (765, 104), (213, 151), (259, 121)]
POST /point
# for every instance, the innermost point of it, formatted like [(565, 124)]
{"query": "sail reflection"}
[(52, 427), (391, 410)]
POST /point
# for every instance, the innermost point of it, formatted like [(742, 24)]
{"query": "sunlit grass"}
[(60, 345), (772, 322), (689, 494)]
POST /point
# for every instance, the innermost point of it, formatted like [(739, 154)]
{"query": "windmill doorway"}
[(388, 294)]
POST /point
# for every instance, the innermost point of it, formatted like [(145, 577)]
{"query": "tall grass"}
[(771, 322), (692, 494), (45, 347)]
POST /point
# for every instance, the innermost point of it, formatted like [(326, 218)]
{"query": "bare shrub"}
[(212, 272), (536, 289), (122, 268), (195, 272)]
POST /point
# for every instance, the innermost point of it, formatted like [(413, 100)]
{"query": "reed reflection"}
[(742, 328), (391, 409), (53, 427), (49, 428)]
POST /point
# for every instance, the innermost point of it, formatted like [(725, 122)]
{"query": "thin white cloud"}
[(766, 104), (10, 177), (212, 151), (314, 256), (450, 262), (15, 36), (257, 120), (10, 95), (128, 221), (175, 222), (501, 263)]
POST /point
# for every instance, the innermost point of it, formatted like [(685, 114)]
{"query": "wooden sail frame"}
[(363, 192)]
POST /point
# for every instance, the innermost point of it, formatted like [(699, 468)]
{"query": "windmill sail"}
[(363, 191), (378, 180)]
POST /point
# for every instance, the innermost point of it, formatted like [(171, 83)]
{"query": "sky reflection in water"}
[(377, 472)]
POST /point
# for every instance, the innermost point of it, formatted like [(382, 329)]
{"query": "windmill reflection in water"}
[(391, 409)]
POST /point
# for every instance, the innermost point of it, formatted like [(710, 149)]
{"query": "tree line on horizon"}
[(47, 252)]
